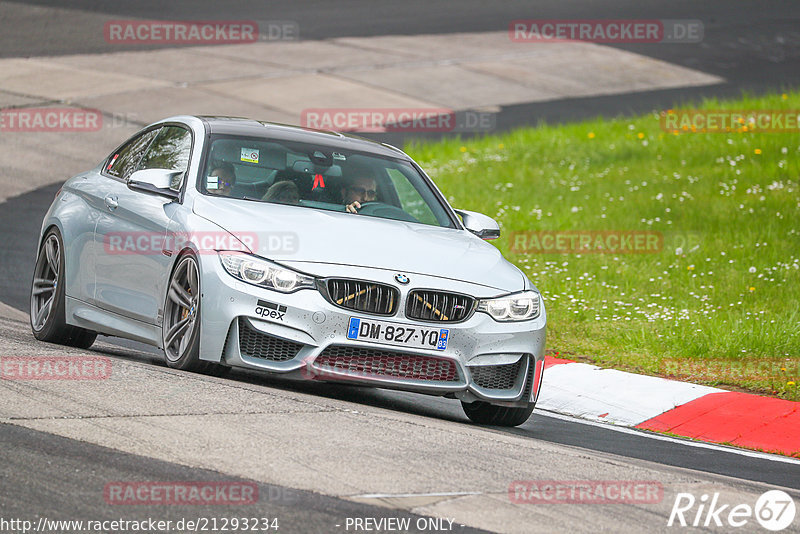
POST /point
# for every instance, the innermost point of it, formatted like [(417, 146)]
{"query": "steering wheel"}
[(386, 211)]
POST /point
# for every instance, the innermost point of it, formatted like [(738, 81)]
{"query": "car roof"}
[(253, 128)]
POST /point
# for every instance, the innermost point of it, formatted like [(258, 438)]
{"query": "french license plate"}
[(397, 334)]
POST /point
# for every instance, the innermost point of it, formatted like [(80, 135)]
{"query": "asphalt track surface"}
[(54, 473), (755, 46), (309, 512)]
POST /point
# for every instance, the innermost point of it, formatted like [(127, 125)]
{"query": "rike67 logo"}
[(774, 510)]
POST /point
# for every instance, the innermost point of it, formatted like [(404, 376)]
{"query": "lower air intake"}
[(257, 344), (387, 364), (496, 376)]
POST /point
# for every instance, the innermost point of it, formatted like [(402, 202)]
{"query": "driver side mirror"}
[(156, 181), (479, 224)]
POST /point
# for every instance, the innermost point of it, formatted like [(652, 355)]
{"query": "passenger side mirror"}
[(156, 181), (479, 224)]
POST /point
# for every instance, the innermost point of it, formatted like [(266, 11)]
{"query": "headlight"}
[(264, 273), (517, 307)]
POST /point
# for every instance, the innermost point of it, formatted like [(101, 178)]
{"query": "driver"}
[(358, 190), (221, 179)]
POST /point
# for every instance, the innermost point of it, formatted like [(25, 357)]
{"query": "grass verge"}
[(716, 301)]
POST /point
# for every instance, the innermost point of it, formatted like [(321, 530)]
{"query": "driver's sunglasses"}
[(368, 193)]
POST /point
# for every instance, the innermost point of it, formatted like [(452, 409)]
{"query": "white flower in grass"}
[(752, 269), (678, 251)]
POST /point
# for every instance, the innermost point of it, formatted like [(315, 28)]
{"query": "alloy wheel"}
[(45, 282), (182, 309)]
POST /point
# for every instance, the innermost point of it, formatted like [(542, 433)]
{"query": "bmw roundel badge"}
[(403, 279)]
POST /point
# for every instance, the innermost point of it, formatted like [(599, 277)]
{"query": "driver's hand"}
[(353, 207)]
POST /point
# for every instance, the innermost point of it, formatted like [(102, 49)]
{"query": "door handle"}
[(111, 203)]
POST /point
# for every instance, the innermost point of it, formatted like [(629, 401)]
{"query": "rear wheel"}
[(181, 325), (484, 413), (48, 314)]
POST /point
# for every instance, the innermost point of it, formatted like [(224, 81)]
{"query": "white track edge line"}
[(685, 441)]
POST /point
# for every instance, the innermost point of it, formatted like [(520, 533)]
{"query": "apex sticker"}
[(270, 310)]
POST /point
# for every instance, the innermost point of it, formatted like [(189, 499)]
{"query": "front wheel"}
[(181, 326), (484, 413), (48, 313)]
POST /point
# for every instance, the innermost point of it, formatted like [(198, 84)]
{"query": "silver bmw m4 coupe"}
[(236, 243)]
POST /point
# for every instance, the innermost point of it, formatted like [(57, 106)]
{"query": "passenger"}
[(225, 176), (283, 192)]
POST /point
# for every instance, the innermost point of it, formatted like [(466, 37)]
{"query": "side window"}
[(126, 159), (410, 199), (170, 150)]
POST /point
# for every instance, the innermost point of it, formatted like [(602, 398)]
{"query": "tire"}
[(180, 328), (47, 311), (484, 413)]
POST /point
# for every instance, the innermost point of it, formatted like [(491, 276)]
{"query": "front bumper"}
[(302, 335)]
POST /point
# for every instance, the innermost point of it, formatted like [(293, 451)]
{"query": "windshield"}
[(319, 177)]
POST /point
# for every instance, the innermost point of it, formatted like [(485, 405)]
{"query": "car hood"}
[(289, 234)]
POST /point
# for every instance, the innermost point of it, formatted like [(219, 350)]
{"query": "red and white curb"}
[(679, 408)]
